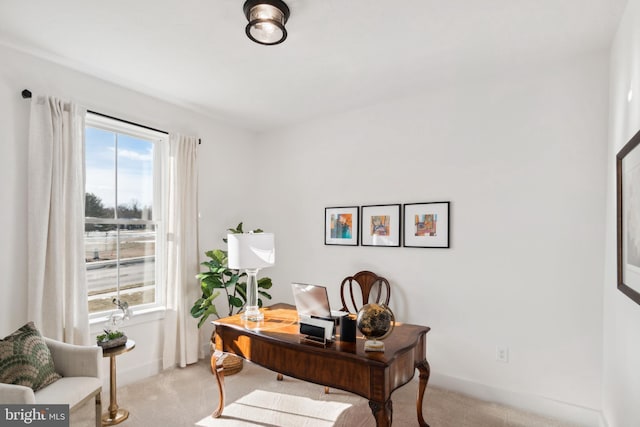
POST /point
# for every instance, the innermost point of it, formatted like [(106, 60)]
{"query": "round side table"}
[(115, 415)]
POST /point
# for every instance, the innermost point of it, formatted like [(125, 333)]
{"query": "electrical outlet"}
[(502, 354)]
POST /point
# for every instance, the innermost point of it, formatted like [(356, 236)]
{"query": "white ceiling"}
[(340, 54)]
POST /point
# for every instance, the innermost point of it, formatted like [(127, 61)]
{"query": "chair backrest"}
[(373, 289)]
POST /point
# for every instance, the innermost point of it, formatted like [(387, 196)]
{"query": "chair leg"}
[(326, 390), (279, 377), (98, 410)]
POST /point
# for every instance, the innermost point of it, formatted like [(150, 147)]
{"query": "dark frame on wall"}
[(380, 225), (341, 225), (628, 218), (427, 225)]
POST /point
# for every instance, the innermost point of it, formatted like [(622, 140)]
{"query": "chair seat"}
[(69, 390)]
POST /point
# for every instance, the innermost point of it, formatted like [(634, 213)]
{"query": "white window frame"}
[(162, 139)]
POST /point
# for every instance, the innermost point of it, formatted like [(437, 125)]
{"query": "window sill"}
[(147, 315)]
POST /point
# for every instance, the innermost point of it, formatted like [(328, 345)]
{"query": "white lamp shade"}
[(251, 250)]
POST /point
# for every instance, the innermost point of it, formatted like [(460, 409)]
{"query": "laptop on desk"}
[(312, 304), (313, 301)]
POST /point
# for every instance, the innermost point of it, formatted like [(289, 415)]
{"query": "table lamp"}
[(251, 252)]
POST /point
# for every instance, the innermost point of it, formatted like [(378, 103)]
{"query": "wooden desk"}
[(115, 415), (277, 345)]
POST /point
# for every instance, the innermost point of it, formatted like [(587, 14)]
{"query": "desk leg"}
[(425, 371), (218, 370), (115, 414), (383, 413)]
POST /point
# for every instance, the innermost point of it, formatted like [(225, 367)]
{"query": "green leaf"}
[(236, 302), (265, 283), (210, 310), (213, 265), (233, 280), (197, 310), (203, 275), (206, 289), (213, 279), (264, 294), (241, 289), (220, 256), (237, 230), (210, 283)]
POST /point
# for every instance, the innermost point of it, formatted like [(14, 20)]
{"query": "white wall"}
[(522, 159), (220, 183), (621, 378)]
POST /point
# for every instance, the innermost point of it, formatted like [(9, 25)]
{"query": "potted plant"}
[(111, 339), (221, 280), (112, 336)]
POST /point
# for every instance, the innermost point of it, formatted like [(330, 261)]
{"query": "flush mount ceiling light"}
[(266, 21)]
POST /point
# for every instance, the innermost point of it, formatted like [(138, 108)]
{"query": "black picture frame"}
[(341, 225), (628, 218), (380, 225), (427, 225)]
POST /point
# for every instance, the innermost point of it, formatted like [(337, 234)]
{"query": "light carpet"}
[(188, 396)]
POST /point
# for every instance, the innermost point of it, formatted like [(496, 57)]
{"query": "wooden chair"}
[(373, 289)]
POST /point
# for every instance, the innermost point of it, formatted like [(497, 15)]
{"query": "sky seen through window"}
[(135, 168)]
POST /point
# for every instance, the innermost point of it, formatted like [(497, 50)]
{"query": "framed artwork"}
[(341, 226), (380, 225), (628, 218), (426, 225)]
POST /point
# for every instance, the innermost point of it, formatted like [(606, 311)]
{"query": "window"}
[(122, 213)]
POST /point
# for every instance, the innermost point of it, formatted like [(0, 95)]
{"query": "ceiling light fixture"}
[(266, 21)]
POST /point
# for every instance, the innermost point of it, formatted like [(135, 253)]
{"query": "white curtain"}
[(57, 289), (181, 216)]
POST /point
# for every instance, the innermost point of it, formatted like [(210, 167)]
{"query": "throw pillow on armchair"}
[(26, 360)]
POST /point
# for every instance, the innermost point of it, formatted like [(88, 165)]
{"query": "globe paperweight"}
[(375, 322)]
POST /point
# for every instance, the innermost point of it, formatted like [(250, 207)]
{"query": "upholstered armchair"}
[(80, 368)]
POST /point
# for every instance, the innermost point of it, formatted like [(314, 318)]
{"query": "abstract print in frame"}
[(426, 225), (628, 218), (380, 225), (341, 226)]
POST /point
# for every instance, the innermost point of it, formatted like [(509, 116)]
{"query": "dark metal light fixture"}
[(266, 21)]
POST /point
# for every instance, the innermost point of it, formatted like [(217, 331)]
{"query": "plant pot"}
[(113, 343)]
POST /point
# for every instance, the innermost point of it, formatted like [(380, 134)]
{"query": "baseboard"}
[(579, 415)]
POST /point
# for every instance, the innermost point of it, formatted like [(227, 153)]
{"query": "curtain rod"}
[(26, 94)]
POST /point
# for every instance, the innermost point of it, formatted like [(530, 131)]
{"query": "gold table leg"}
[(115, 414)]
